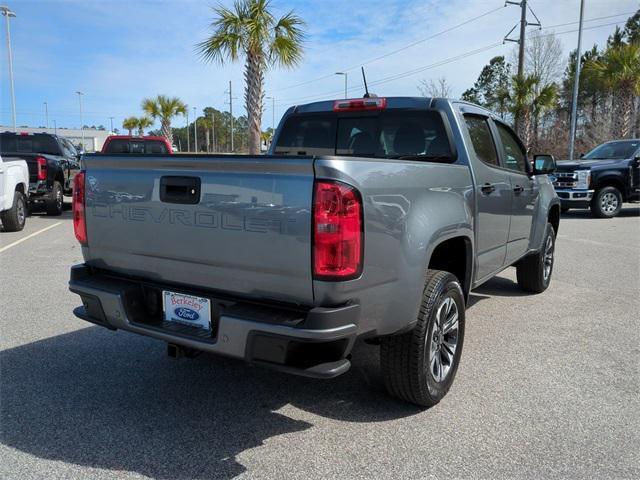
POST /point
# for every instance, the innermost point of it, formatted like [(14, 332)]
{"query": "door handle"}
[(488, 188), (518, 189)]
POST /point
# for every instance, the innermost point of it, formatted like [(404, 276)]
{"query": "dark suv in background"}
[(602, 179)]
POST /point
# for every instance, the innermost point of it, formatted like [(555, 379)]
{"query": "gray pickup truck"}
[(370, 218)]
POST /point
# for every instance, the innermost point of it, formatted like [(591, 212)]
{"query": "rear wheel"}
[(54, 205), (534, 271), (13, 220), (606, 203), (419, 366)]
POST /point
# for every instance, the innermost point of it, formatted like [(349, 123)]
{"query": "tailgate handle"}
[(180, 190)]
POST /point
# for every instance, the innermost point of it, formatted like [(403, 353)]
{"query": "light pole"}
[(46, 114), (195, 130), (80, 94), (111, 120), (345, 82), (273, 113), (576, 84), (188, 144), (6, 11)]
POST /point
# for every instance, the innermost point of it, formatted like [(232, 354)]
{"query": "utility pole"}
[(6, 11), (576, 85), (46, 114), (188, 144), (195, 130), (80, 94), (521, 42), (111, 120), (213, 131), (55, 127), (523, 33)]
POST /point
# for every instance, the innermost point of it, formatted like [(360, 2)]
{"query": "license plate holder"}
[(188, 310)]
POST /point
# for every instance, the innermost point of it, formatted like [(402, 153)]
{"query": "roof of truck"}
[(389, 103)]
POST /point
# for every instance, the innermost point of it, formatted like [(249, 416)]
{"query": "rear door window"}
[(481, 139)]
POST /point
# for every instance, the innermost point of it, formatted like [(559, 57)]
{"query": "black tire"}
[(534, 271), (606, 203), (564, 209), (13, 220), (54, 206), (409, 361)]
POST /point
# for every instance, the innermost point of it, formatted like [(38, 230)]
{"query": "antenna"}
[(366, 89)]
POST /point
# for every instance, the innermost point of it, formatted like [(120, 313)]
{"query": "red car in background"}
[(131, 144)]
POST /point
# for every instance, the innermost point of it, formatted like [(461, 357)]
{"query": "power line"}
[(417, 42), (388, 54), (424, 68), (587, 20), (399, 75)]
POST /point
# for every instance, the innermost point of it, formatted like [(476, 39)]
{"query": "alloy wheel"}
[(444, 340)]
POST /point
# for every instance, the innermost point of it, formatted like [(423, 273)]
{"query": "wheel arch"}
[(611, 180), (553, 217), (454, 255)]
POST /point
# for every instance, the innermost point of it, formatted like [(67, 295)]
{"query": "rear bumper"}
[(313, 342), (39, 191), (575, 198)]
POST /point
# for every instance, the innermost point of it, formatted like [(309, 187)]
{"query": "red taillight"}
[(79, 222), (42, 168), (337, 231), (360, 104)]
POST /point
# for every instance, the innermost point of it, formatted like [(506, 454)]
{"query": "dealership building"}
[(93, 138)]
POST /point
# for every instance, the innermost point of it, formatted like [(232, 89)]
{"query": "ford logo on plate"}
[(187, 314)]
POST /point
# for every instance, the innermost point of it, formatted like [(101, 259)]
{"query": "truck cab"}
[(602, 179)]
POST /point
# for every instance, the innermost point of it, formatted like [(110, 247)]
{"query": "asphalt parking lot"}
[(548, 386)]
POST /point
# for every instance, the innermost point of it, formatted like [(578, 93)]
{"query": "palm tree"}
[(529, 100), (143, 122), (251, 30), (130, 124), (618, 70), (164, 108)]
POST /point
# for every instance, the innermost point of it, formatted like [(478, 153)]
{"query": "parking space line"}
[(7, 247)]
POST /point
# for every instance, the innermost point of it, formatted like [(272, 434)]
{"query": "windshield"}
[(31, 143), (390, 134), (613, 150)]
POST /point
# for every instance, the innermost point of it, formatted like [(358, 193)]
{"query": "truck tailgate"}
[(235, 224)]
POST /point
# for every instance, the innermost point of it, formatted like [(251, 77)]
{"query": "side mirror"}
[(581, 155), (543, 164)]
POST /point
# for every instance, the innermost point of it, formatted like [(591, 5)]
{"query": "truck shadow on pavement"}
[(115, 401), (496, 287)]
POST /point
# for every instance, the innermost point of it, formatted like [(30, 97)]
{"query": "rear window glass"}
[(37, 143), (123, 145), (307, 136), (392, 134)]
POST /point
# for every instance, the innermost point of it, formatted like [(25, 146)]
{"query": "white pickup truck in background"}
[(14, 188)]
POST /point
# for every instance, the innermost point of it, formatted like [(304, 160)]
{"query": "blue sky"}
[(119, 52)]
